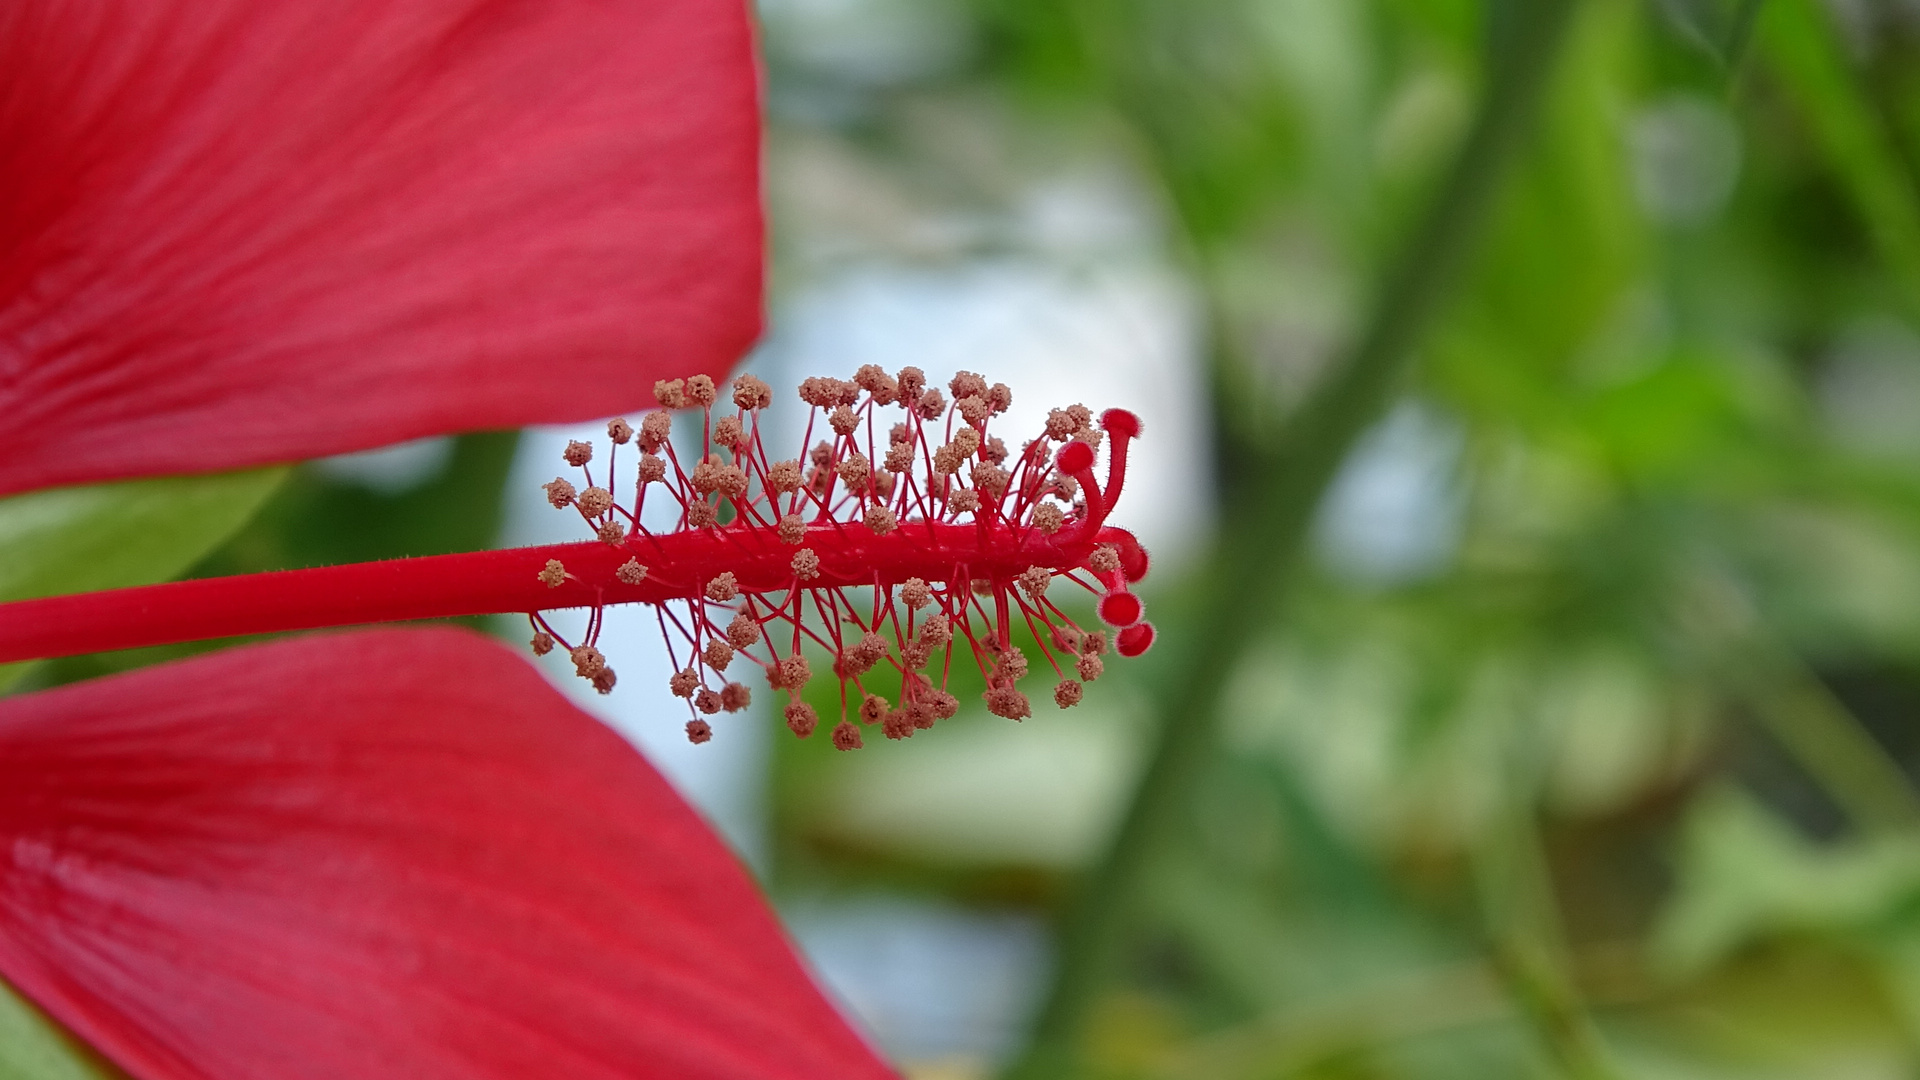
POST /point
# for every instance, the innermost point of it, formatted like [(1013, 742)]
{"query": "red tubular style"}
[(497, 582)]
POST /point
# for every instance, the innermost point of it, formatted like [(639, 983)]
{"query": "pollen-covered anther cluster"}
[(905, 535)]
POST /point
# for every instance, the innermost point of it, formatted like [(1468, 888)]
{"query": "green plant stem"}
[(1265, 523), (1554, 1013), (1820, 733), (1526, 939)]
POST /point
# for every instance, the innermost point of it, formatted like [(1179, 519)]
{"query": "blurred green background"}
[(1545, 702), (1539, 687)]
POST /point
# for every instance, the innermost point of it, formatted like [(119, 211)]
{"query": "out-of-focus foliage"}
[(72, 539), (1617, 776), (425, 498), (1586, 742), (108, 536), (32, 1047)]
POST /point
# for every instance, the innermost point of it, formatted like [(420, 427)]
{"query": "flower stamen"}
[(786, 555)]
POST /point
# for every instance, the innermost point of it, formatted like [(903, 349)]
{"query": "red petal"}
[(388, 854), (235, 232)]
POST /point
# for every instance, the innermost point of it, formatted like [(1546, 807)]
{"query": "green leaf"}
[(1810, 56), (33, 1047), (1745, 875), (1567, 248), (110, 536)]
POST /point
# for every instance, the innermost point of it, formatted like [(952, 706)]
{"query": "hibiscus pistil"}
[(890, 546)]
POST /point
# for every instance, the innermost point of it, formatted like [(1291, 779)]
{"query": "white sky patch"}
[(1394, 511), (725, 778), (391, 470), (934, 983), (1103, 337)]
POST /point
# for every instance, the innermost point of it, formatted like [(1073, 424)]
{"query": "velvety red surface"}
[(235, 232), (384, 854)]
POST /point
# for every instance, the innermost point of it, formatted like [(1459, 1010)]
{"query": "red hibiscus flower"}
[(234, 233)]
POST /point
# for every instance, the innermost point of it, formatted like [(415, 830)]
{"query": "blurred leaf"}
[(979, 790), (33, 1048), (1746, 875), (1720, 28), (1804, 45), (1567, 245), (110, 536), (316, 519), (1783, 1013), (1671, 423)]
